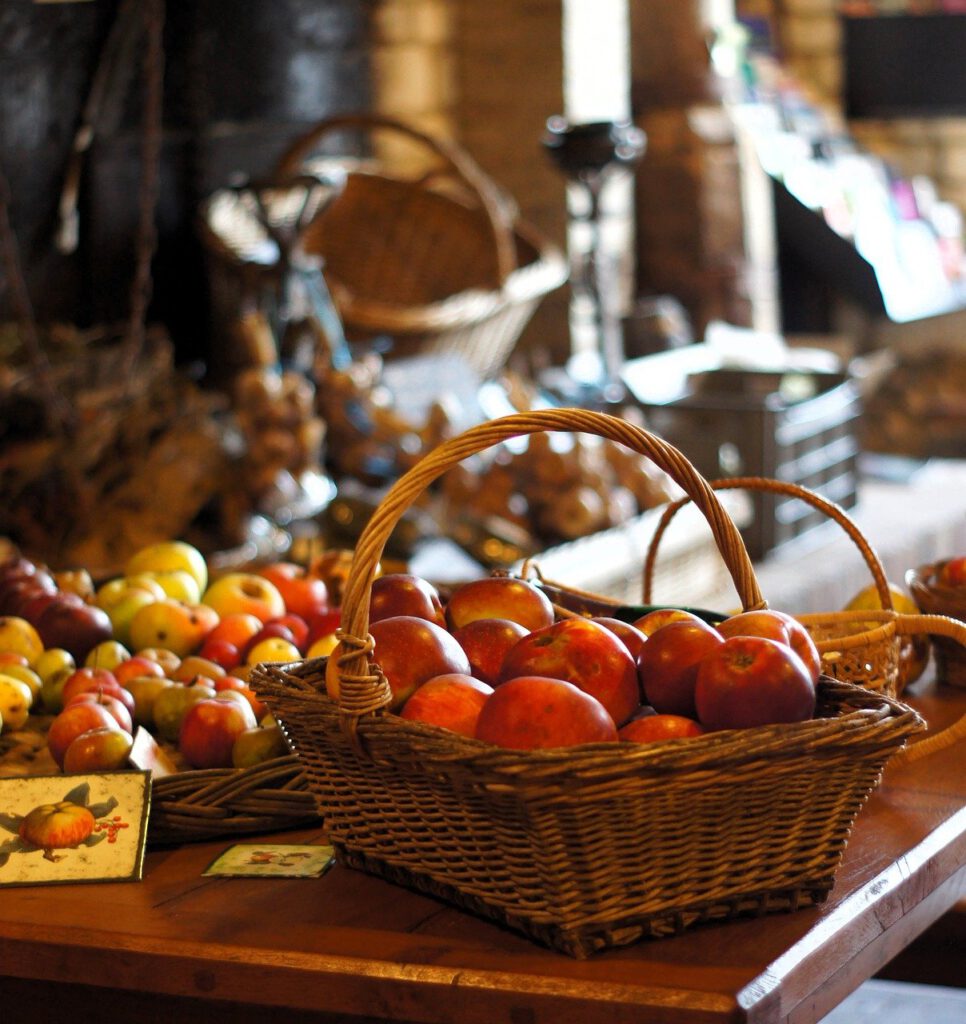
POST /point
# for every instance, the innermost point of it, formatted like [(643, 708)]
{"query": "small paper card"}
[(272, 860), (73, 828)]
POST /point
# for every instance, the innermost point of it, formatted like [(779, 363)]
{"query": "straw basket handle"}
[(362, 687), (456, 160), (757, 483)]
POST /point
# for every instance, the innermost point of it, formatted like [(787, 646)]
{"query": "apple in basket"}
[(453, 701), (538, 712), (668, 664), (751, 681), (778, 626), (403, 593), (499, 597), (633, 638), (953, 572), (486, 642), (409, 650), (652, 621), (583, 653)]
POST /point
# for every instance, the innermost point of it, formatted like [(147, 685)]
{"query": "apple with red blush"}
[(633, 638), (539, 712), (654, 727), (952, 572), (778, 626), (304, 595), (99, 750), (499, 597), (752, 681), (583, 653), (72, 722), (69, 623), (402, 593), (408, 650), (120, 712), (452, 701), (209, 729), (650, 622), (668, 664), (486, 642)]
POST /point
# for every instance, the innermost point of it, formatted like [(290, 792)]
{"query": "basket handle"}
[(362, 687), (499, 211), (757, 483)]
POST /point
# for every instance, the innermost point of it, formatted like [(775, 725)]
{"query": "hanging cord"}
[(63, 416), (147, 235)]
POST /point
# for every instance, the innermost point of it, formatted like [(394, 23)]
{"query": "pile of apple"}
[(494, 663), (161, 647)]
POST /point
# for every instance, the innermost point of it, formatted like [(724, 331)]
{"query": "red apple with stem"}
[(779, 626)]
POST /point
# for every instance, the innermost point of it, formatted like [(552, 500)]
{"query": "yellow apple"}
[(145, 690), (175, 625), (273, 648), (245, 592), (253, 746), (25, 675), (180, 584), (15, 701), (167, 556), (20, 636), (52, 689), (122, 611), (52, 660), (107, 654), (322, 647), (120, 586)]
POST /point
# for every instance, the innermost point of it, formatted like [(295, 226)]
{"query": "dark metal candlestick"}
[(590, 155)]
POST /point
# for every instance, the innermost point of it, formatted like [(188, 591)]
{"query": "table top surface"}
[(347, 943)]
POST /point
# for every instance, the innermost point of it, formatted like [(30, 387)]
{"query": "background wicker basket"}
[(862, 646), (590, 847), (936, 599), (438, 263)]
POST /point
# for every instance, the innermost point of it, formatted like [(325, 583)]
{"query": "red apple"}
[(409, 650), (779, 626), (634, 639), (209, 729), (77, 627), (98, 750), (537, 712), (73, 721), (296, 625), (402, 593), (652, 621), (583, 653), (486, 642), (240, 686), (118, 709), (91, 679), (749, 681), (952, 573), (221, 652), (668, 664), (650, 728), (136, 667), (322, 626), (304, 595), (499, 597), (452, 701)]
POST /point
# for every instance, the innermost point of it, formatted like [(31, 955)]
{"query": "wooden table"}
[(180, 947)]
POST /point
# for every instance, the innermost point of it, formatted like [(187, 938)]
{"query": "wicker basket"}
[(590, 847), (438, 264), (935, 599), (863, 647)]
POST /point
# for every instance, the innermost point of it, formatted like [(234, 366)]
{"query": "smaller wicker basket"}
[(862, 647), (582, 848), (935, 599)]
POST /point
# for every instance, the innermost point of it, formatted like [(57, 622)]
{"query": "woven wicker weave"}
[(861, 647), (589, 847), (440, 263), (936, 599)]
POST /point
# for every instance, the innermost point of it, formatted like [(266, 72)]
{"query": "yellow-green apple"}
[(52, 660), (245, 592), (51, 690), (751, 680), (71, 722), (499, 597), (653, 620), (409, 650), (253, 746), (633, 638), (304, 594), (179, 584), (583, 653), (452, 701), (209, 730), (25, 675), (20, 637), (144, 690), (118, 709), (403, 593), (107, 654), (173, 625), (113, 590), (15, 701), (651, 728), (537, 712), (70, 623), (778, 626), (171, 704), (668, 664), (98, 750), (168, 556), (486, 642), (122, 610)]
